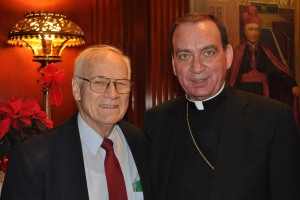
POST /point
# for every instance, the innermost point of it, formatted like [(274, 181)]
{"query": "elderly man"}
[(95, 155), (219, 143)]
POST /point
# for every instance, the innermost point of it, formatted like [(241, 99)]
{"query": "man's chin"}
[(198, 96), (253, 42)]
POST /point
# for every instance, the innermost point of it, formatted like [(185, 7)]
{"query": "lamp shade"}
[(47, 34)]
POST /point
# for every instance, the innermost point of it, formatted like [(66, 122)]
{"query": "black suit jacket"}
[(51, 167), (258, 155)]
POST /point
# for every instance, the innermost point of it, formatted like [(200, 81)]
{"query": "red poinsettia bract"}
[(20, 114)]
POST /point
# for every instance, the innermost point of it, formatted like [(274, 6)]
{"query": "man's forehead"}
[(195, 29), (106, 57), (204, 34), (252, 25), (106, 63), (206, 23), (102, 54)]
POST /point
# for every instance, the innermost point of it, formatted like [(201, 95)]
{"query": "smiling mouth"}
[(108, 106), (200, 81)]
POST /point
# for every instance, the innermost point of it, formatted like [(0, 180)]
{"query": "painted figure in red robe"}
[(256, 69)]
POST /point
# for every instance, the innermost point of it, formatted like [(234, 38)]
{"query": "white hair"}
[(84, 57)]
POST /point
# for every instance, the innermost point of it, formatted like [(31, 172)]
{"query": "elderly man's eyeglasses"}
[(100, 84)]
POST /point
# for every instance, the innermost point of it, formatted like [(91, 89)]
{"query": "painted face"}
[(108, 107), (199, 61), (252, 33)]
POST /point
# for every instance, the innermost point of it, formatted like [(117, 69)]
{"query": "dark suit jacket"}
[(259, 150), (50, 166)]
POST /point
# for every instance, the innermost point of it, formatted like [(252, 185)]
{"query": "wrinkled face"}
[(252, 33), (108, 107), (199, 61)]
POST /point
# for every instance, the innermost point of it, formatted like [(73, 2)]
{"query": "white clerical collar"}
[(199, 104), (251, 44)]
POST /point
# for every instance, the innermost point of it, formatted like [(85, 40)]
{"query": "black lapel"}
[(134, 143), (233, 129), (167, 141), (69, 164)]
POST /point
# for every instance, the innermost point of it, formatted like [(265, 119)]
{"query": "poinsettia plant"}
[(19, 121)]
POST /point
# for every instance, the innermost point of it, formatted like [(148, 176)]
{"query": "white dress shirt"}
[(94, 155)]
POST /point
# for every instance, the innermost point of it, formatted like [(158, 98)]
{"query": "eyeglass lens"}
[(99, 84)]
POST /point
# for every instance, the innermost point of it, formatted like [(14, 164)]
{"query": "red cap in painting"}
[(251, 16)]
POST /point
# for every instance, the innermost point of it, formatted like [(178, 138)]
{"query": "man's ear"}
[(229, 55), (76, 88), (173, 64)]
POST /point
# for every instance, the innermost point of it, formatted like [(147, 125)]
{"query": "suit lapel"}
[(134, 145), (232, 133), (167, 140), (69, 164)]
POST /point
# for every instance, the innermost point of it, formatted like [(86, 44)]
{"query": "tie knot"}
[(107, 144)]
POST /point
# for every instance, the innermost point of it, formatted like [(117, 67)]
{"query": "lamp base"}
[(45, 60), (47, 106)]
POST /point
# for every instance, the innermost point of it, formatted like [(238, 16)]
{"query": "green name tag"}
[(137, 186)]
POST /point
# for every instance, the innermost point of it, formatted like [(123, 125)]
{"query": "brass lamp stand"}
[(46, 91)]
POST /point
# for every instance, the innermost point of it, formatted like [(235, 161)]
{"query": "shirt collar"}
[(90, 136), (199, 104), (252, 45)]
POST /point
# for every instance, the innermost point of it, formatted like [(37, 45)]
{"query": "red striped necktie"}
[(114, 176)]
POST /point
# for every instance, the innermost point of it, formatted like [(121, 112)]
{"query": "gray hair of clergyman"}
[(83, 60), (198, 17)]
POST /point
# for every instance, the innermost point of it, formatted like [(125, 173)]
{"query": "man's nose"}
[(111, 91), (197, 66)]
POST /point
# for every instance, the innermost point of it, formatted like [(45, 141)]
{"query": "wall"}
[(227, 10), (162, 84), (140, 27)]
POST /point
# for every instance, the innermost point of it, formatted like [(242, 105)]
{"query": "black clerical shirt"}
[(190, 176)]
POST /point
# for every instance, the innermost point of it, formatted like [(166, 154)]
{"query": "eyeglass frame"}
[(110, 81)]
